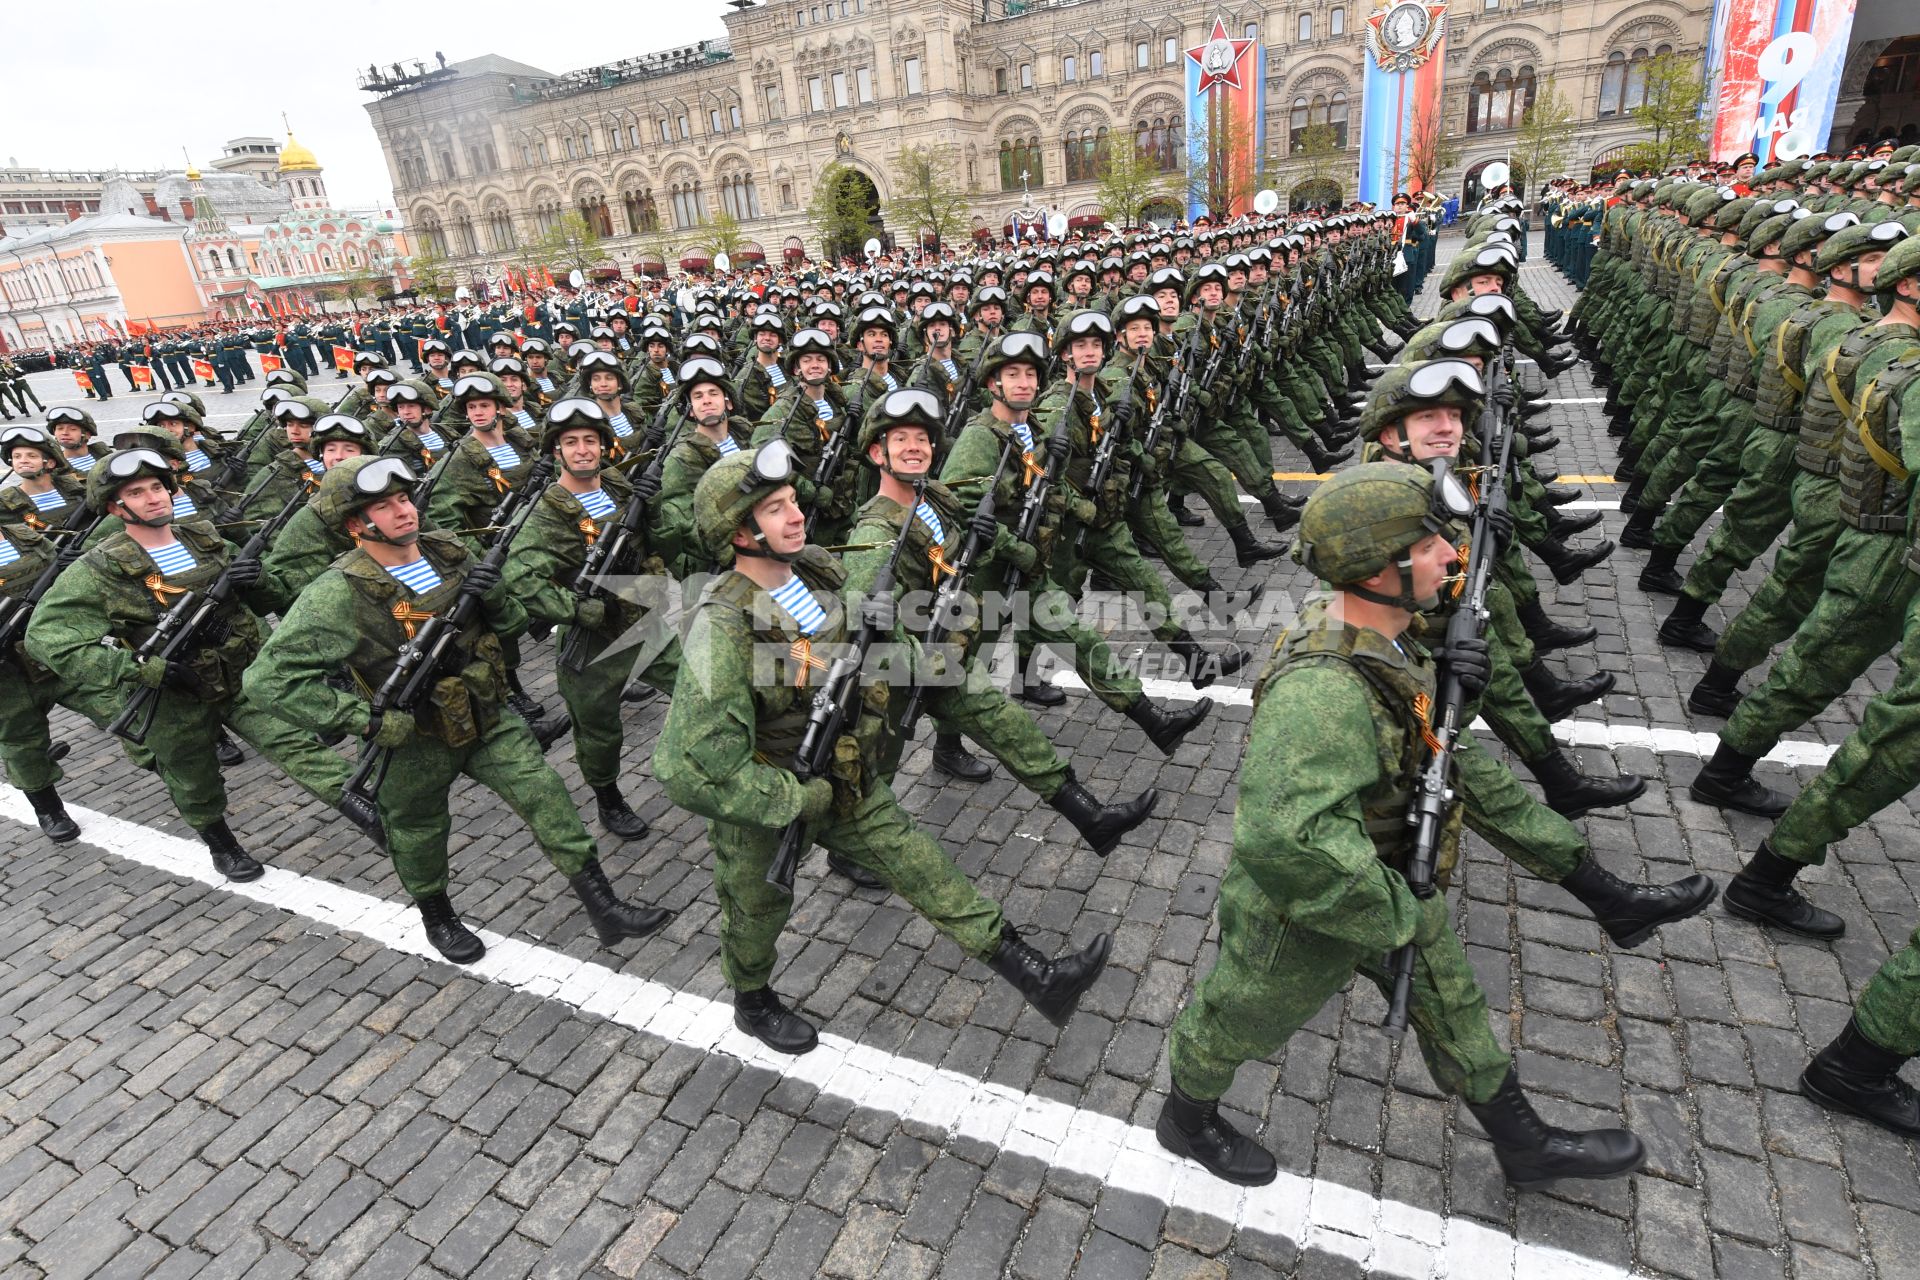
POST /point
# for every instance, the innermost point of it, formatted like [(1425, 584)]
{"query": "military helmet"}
[(1727, 217), (768, 320), (991, 295), (1857, 241), (1770, 230), (810, 341), (170, 411), (1407, 388), (1465, 266), (732, 487), (571, 413), (1463, 336), (907, 407), (1364, 518), (1140, 306), (1761, 211), (1168, 278), (937, 311), (74, 414), (156, 438), (1041, 278), (1901, 263), (1807, 234), (123, 466), (307, 409), (31, 437), (1019, 347), (598, 361), (479, 386), (1086, 323), (356, 484), (879, 317), (1207, 271), (1701, 204), (284, 377), (341, 426), (702, 344), (382, 378), (704, 369), (190, 399)]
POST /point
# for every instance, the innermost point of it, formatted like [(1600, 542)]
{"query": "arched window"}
[(463, 234), (500, 228), (1636, 94), (1305, 29), (739, 197), (233, 260), (1477, 93), (1337, 117), (1296, 124), (1500, 112), (642, 217), (1523, 89), (688, 209), (1613, 84)]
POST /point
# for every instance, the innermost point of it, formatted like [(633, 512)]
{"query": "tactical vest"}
[(1828, 408), (1746, 352), (228, 643), (1875, 490), (1396, 686), (1782, 387), (782, 703), (1723, 292), (16, 579)]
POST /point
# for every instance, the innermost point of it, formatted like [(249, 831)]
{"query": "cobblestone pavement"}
[(199, 1080)]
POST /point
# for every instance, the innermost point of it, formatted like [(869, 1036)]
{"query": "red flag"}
[(86, 382), (440, 316), (142, 376), (268, 363), (343, 359), (546, 278), (201, 368)]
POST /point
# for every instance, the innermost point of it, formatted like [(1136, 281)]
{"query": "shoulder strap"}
[(1787, 371)]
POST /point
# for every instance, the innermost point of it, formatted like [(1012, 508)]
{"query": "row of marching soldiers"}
[(1761, 354), (416, 537)]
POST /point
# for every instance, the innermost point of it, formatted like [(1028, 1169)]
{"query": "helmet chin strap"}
[(1405, 599), (160, 522), (761, 550)]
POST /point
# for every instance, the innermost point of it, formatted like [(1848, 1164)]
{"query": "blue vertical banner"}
[(1400, 91), (1226, 119)]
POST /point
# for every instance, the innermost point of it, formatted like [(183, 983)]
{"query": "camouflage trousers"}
[(1110, 550), (1752, 516), (1197, 471), (179, 748), (1710, 483), (1154, 527), (24, 737), (1508, 709), (1680, 456), (415, 802), (878, 836), (1858, 616), (1272, 976), (1052, 621), (1218, 435), (981, 709), (1505, 814), (1889, 1007), (1783, 601), (592, 696)]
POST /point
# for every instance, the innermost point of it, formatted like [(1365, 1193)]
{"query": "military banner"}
[(343, 359), (1400, 93), (1778, 75), (1226, 113), (201, 368), (270, 362), (142, 376), (81, 376)]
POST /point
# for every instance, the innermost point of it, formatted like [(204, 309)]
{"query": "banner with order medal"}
[(1400, 94)]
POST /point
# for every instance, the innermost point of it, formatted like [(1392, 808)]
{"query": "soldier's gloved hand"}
[(877, 610), (1435, 919), (646, 486), (1503, 395), (816, 800), (484, 577), (1500, 522), (161, 673), (1024, 555), (394, 730), (1083, 509), (1470, 662), (983, 527), (590, 614), (244, 574)]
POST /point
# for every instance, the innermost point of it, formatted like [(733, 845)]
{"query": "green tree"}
[(1320, 160), (1227, 168), (1540, 149), (840, 211), (1431, 151), (571, 245), (1131, 181), (1669, 114), (363, 283), (931, 197), (722, 234), (432, 275)]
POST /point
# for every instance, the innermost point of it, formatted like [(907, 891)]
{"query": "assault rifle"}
[(607, 557), (1171, 409), (834, 453), (414, 674), (945, 617), (233, 464), (962, 398), (1033, 510), (1104, 453), (836, 708), (1432, 795), (17, 611), (181, 627)]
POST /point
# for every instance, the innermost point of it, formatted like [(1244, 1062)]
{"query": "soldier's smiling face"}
[(1086, 354), (708, 404), (1431, 433), (905, 449), (604, 384), (27, 462), (70, 436), (1019, 385), (335, 452), (1138, 334), (782, 522), (812, 368), (147, 500), (393, 517), (580, 451)]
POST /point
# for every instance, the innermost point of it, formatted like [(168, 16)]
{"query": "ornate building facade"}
[(486, 155)]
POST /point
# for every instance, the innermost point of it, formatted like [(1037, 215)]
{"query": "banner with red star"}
[(1226, 121)]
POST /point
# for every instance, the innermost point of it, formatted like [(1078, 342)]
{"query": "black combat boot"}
[(1565, 526), (613, 919), (761, 1015), (638, 694), (1053, 987), (1660, 576), (1194, 1129), (1224, 604), (229, 859), (1037, 692), (547, 730), (1548, 635), (616, 815), (1541, 444), (1727, 781), (1177, 503), (1204, 665), (1638, 534), (1855, 1075), (449, 937), (52, 815), (1533, 409), (1631, 912), (1558, 698), (951, 757), (1718, 693), (534, 708), (1248, 550), (1764, 892), (1533, 1153), (1101, 826), (1282, 514), (1684, 628), (1552, 367), (1567, 564), (1572, 794), (1165, 728), (226, 750), (1322, 459), (860, 876), (1559, 495)]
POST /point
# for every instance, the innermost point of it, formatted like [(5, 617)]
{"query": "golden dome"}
[(193, 172), (295, 158)]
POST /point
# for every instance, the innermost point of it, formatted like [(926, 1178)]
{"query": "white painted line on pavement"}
[(1575, 400), (1389, 1236), (1598, 733)]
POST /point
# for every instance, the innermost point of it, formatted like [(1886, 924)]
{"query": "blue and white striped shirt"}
[(504, 456), (889, 380), (82, 463), (197, 460), (596, 502), (776, 375), (416, 575), (315, 465), (931, 518), (1024, 434), (793, 596), (183, 506), (953, 370), (727, 446), (172, 559), (525, 419), (824, 409), (429, 438), (621, 427), (546, 384), (9, 554), (51, 500)]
